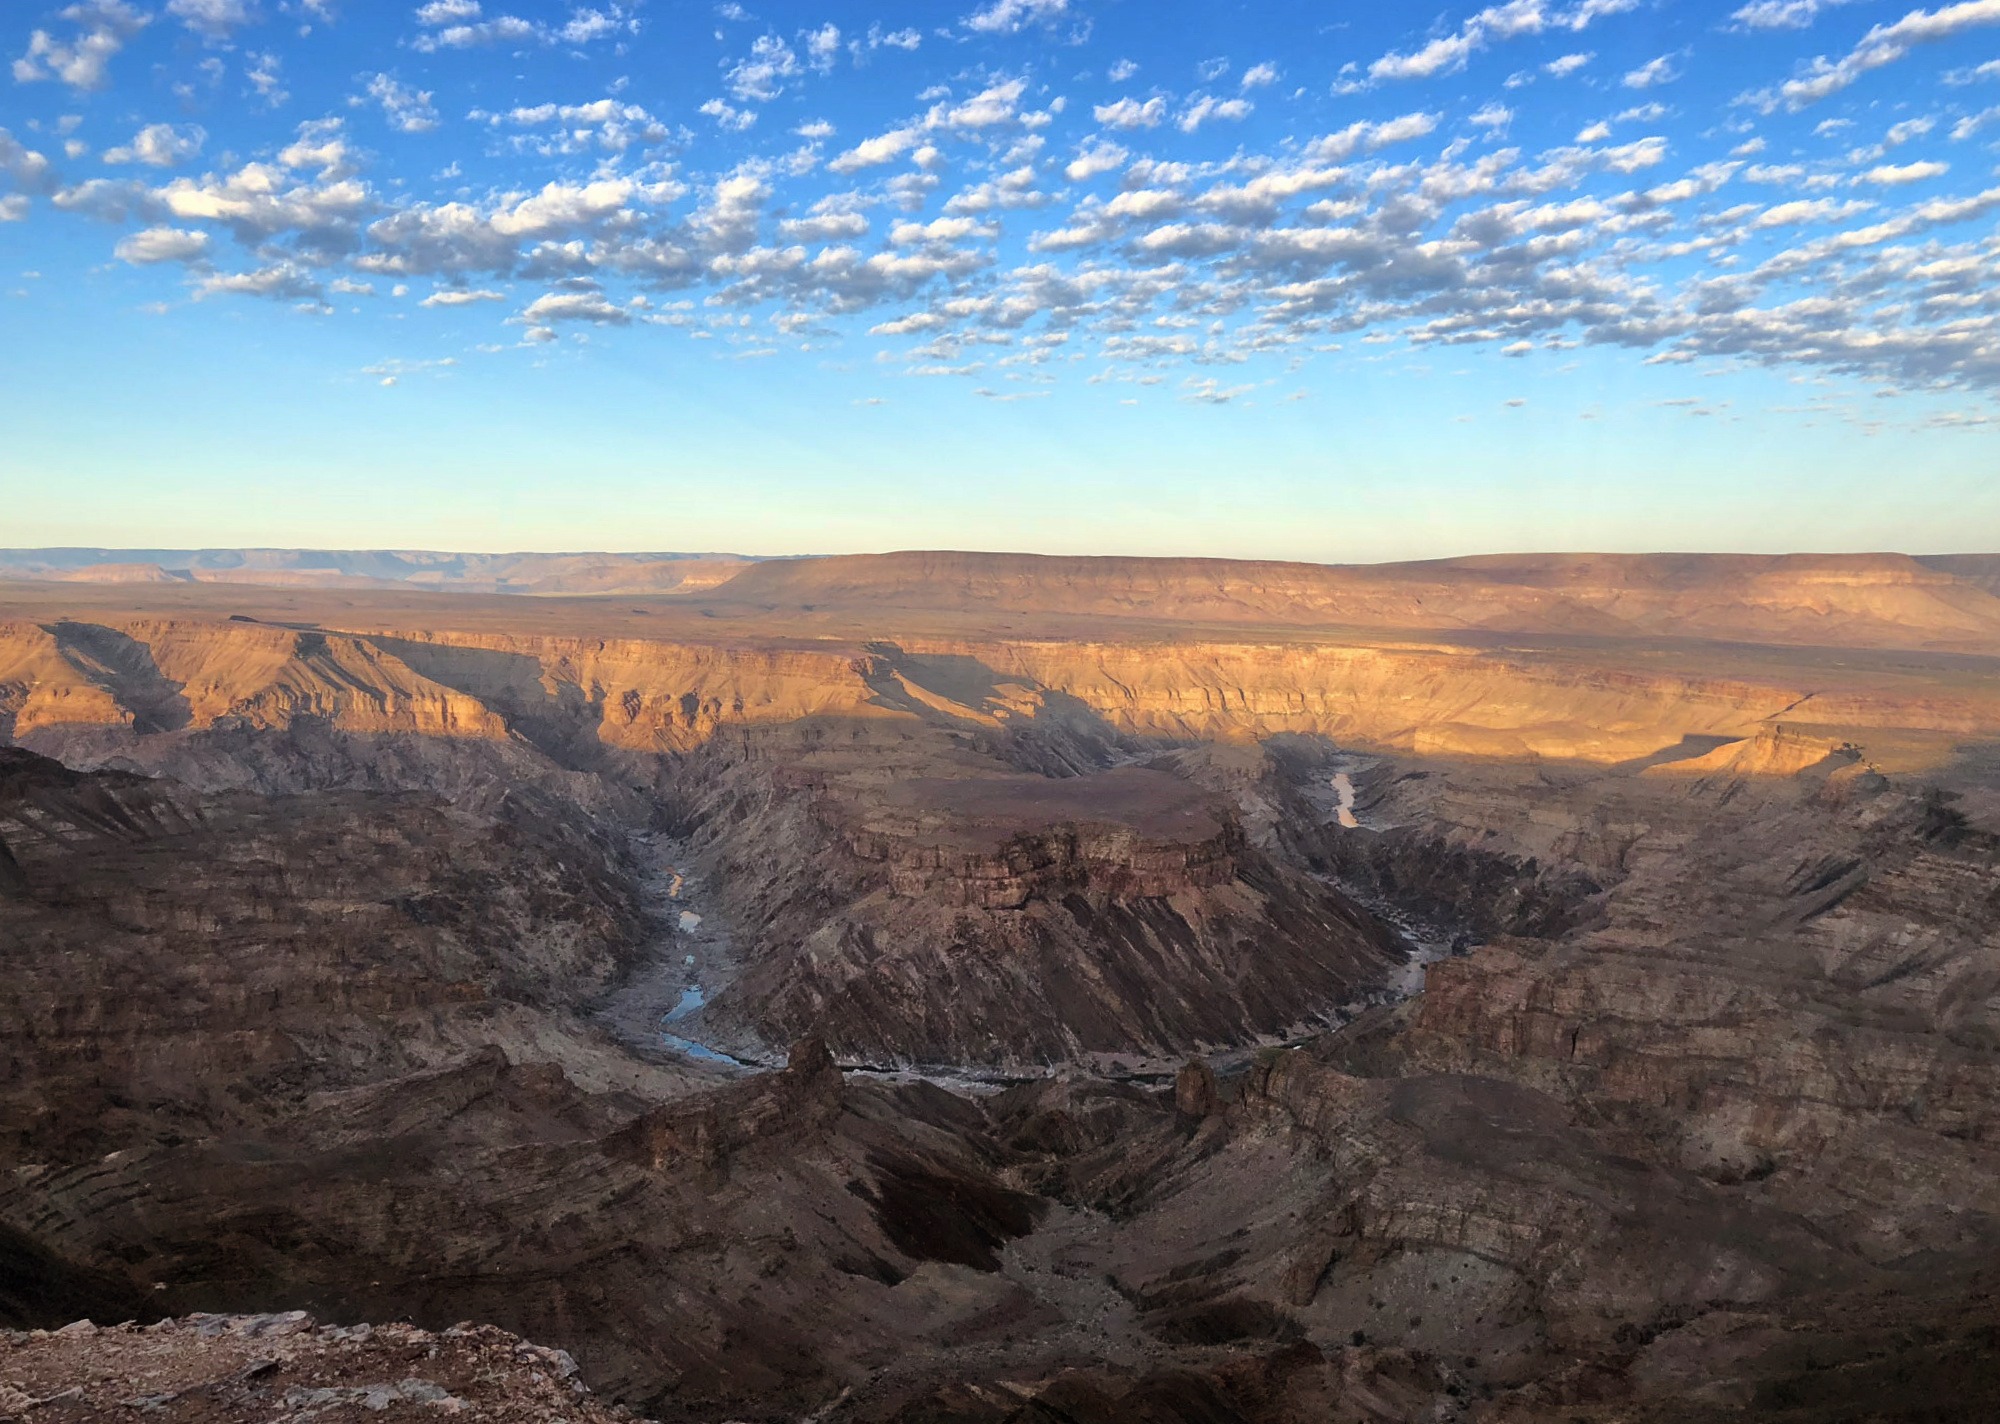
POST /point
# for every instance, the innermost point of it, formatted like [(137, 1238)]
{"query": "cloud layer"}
[(994, 200)]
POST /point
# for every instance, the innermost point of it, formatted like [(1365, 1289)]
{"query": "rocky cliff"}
[(579, 700)]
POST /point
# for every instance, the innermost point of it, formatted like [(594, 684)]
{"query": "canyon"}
[(1532, 987)]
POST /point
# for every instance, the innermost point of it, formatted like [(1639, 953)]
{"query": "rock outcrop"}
[(222, 1367), (1116, 913)]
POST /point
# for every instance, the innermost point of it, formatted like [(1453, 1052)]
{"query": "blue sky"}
[(1295, 280)]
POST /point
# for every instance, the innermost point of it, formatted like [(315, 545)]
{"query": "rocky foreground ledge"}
[(288, 1369)]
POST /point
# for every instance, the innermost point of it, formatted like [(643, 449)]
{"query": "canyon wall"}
[(575, 698)]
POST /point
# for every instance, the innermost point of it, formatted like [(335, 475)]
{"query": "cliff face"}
[(156, 939), (1778, 980), (1437, 700), (579, 701), (1001, 920), (1000, 842), (167, 676), (1840, 1037)]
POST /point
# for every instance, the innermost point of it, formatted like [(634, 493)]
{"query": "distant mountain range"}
[(1941, 603), (579, 573)]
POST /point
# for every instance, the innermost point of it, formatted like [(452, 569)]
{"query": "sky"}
[(1299, 280)]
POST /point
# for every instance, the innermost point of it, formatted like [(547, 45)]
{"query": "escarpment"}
[(149, 675), (156, 690)]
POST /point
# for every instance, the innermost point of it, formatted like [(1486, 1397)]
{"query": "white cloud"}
[(883, 148), (565, 207), (25, 168), (1121, 70), (1145, 204), (602, 123), (461, 297), (1204, 107), (1440, 56), (762, 77), (408, 110), (1883, 45), (159, 146), (1652, 73), (1257, 76), (1971, 124), (281, 281), (904, 39), (162, 244), (1209, 391), (14, 207), (265, 73), (321, 147), (996, 105), (1805, 210), (828, 226), (584, 26), (993, 105), (823, 47), (905, 234), (504, 29), (83, 60), (1895, 175), (1567, 64), (1782, 14), (1366, 137), (1099, 156), (1012, 189), (1005, 17), (213, 19), (728, 221), (1511, 20), (1131, 114), (587, 304), (727, 115), (462, 24)]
